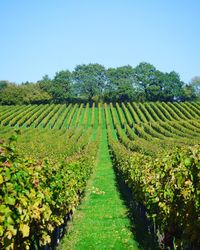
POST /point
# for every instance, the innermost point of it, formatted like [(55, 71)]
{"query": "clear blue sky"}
[(39, 37)]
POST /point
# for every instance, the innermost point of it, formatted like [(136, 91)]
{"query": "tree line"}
[(94, 83)]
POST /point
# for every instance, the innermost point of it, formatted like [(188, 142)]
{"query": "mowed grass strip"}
[(101, 221)]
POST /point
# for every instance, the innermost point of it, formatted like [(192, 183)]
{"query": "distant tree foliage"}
[(89, 80), (195, 83), (59, 87), (93, 82), (3, 84), (31, 93), (120, 84)]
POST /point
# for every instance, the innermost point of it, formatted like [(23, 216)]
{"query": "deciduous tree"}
[(89, 80)]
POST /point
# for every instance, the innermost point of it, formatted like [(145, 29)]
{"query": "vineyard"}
[(48, 153)]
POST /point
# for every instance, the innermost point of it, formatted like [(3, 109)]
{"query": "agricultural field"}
[(134, 167)]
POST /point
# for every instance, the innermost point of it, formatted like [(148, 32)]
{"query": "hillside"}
[(101, 152)]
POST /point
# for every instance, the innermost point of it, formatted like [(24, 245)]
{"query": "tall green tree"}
[(188, 93), (145, 80), (61, 86), (157, 86), (3, 84), (195, 83), (172, 87), (89, 80), (120, 84), (45, 83)]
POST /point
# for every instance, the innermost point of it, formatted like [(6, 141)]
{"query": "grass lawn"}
[(101, 221)]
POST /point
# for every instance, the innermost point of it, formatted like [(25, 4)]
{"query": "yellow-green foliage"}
[(35, 195)]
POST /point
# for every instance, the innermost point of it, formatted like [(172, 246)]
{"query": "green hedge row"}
[(168, 185), (35, 196)]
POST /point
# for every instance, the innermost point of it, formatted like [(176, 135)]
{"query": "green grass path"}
[(101, 221)]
